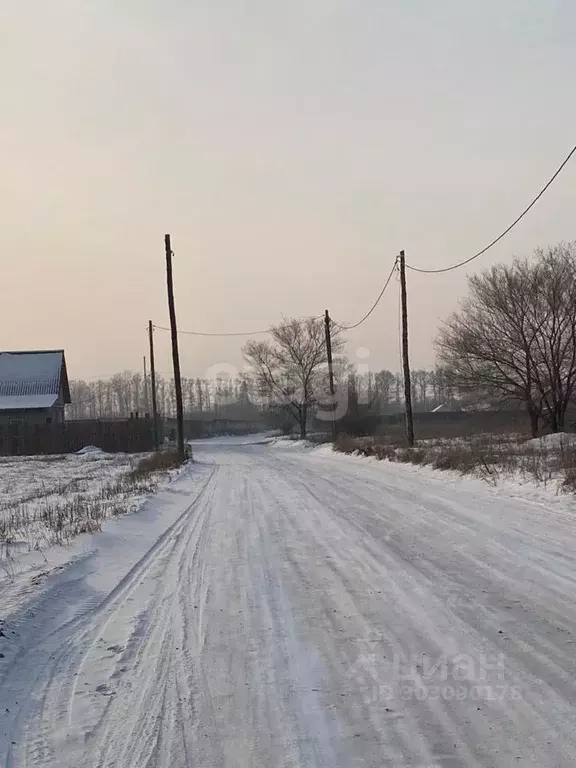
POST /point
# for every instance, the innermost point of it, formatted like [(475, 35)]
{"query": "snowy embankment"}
[(546, 465), (47, 500)]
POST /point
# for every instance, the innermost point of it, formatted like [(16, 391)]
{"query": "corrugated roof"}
[(32, 374), (27, 402)]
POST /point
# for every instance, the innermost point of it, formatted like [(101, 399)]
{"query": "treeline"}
[(384, 391), (128, 393)]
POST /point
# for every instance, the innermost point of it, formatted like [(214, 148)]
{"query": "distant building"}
[(33, 388)]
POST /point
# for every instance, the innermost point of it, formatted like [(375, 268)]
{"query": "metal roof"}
[(29, 375), (26, 402)]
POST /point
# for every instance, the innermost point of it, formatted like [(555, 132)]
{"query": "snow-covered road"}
[(277, 608)]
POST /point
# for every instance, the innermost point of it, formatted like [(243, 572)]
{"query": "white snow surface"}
[(297, 609), (91, 451), (27, 366), (46, 499), (556, 440), (26, 377), (22, 402)]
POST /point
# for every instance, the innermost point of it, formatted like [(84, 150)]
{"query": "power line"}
[(200, 333), (234, 333), (496, 240), (373, 307)]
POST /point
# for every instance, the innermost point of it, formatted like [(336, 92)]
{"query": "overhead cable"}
[(373, 307), (506, 231), (200, 333)]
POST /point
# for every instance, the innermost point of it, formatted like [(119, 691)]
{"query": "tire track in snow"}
[(52, 710), (129, 729)]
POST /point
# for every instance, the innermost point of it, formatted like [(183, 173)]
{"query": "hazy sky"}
[(291, 149)]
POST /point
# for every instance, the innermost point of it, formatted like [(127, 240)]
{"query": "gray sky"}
[(290, 148)]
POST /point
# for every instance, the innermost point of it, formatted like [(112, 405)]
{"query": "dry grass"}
[(366, 446), (161, 461), (487, 456), (55, 511), (569, 471)]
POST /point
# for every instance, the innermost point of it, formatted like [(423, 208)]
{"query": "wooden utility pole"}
[(153, 385), (405, 360), (330, 371), (175, 355), (146, 399)]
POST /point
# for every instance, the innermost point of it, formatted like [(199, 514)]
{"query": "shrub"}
[(161, 461), (383, 451), (417, 456), (568, 470), (347, 444), (457, 458)]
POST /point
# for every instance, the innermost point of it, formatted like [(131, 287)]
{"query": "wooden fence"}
[(113, 436)]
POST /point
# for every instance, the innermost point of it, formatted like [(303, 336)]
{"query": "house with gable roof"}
[(33, 387)]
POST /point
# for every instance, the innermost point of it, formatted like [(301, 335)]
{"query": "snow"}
[(555, 441), (256, 438), (289, 443), (47, 499), (30, 365), (91, 451), (541, 468), (22, 402), (30, 373), (300, 609), (508, 485)]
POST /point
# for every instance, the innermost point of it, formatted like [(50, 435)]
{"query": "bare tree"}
[(553, 323), (289, 371), (421, 379), (384, 383), (514, 336)]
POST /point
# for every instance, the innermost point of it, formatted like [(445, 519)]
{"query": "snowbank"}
[(555, 441), (288, 442), (91, 452)]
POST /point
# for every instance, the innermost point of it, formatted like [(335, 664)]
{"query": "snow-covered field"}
[(47, 500)]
